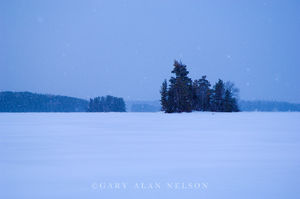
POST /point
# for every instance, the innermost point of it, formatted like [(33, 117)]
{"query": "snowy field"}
[(110, 155)]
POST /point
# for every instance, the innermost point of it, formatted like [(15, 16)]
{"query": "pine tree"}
[(196, 96), (230, 101), (164, 96), (180, 91), (228, 105), (201, 94), (218, 97)]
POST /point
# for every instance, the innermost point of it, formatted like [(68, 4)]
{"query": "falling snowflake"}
[(40, 19), (228, 56)]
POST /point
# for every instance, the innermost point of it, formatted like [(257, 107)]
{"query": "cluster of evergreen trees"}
[(185, 95), (107, 104)]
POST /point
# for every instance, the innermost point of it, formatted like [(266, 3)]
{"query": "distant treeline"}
[(32, 102), (143, 106), (268, 106), (183, 94)]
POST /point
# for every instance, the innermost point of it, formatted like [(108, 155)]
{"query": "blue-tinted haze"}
[(126, 48)]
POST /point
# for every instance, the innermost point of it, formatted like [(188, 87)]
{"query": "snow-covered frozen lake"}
[(196, 155)]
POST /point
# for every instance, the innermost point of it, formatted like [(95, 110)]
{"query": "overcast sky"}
[(126, 48)]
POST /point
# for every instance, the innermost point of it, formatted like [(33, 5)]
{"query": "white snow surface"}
[(69, 155)]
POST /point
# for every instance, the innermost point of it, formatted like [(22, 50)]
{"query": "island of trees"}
[(185, 95), (107, 104)]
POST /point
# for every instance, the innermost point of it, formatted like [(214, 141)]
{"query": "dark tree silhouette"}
[(218, 97), (164, 96), (201, 94), (180, 91), (230, 101)]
